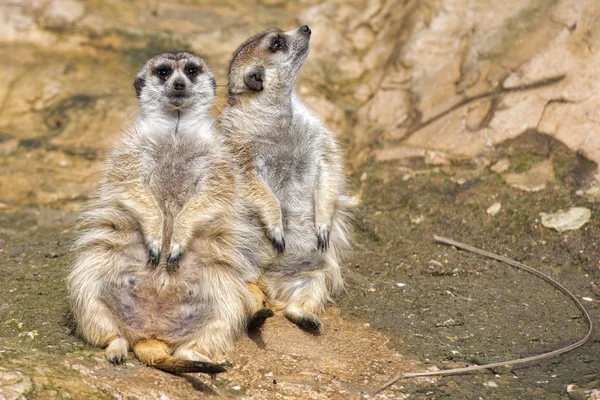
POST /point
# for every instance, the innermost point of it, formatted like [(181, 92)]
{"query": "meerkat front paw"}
[(175, 252), (154, 251), (323, 233), (116, 351), (277, 238)]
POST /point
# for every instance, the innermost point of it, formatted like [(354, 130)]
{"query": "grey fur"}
[(167, 189), (280, 145)]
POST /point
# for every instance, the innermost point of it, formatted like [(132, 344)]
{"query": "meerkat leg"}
[(306, 302), (268, 209), (306, 320), (258, 313), (116, 351), (305, 295), (325, 200), (97, 324), (214, 338), (199, 211), (227, 298), (142, 204)]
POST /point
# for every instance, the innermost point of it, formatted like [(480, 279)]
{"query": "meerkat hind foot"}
[(116, 351), (305, 320)]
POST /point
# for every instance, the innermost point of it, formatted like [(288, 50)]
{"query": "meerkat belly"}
[(152, 303), (292, 175), (178, 167)]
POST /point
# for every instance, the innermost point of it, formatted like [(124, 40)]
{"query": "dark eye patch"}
[(163, 71), (192, 69), (278, 44)]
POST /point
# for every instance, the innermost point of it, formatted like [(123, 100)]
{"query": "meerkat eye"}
[(192, 71), (277, 44), (163, 72)]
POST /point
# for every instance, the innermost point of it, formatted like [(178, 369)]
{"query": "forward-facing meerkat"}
[(292, 174), (167, 186)]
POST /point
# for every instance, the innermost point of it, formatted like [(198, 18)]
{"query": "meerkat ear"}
[(254, 79), (138, 84)]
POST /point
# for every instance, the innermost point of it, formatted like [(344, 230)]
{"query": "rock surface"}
[(534, 179), (569, 220), (442, 80), (14, 385)]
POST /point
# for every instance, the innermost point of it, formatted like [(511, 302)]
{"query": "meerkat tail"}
[(156, 353)]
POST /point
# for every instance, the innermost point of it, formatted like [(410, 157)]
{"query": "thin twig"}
[(515, 264)]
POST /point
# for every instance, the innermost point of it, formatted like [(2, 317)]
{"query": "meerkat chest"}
[(289, 167), (174, 168)]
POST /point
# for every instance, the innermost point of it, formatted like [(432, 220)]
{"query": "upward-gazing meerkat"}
[(292, 174), (167, 186)]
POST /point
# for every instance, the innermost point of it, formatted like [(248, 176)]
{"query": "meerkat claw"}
[(277, 238), (153, 257), (323, 238), (279, 244), (173, 263), (118, 360), (175, 253)]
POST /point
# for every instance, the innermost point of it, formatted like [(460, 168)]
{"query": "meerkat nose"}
[(305, 29), (179, 85)]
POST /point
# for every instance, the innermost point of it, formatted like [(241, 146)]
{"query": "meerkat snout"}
[(305, 29), (179, 85)]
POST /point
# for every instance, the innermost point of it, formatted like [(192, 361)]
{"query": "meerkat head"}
[(175, 81), (268, 63)]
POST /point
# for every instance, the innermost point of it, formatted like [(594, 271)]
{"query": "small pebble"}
[(494, 209), (500, 166), (417, 220), (570, 220)]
